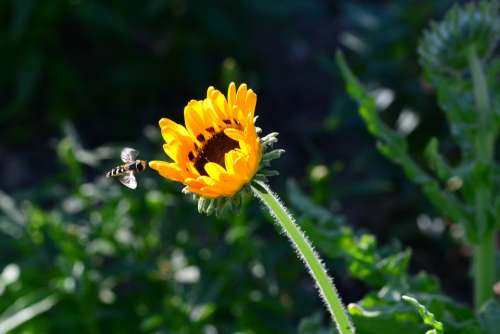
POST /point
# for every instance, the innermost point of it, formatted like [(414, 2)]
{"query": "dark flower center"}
[(214, 150)]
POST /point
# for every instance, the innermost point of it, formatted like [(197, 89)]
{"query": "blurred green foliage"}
[(466, 191), (79, 253), (105, 259)]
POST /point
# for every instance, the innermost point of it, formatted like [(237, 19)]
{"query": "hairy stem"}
[(308, 255), (485, 247)]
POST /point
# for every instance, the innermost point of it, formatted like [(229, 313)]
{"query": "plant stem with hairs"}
[(308, 255)]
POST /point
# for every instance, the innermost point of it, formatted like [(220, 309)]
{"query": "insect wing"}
[(128, 154), (128, 180)]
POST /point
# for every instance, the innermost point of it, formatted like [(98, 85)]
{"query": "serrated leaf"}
[(383, 312), (426, 315), (394, 147), (436, 161)]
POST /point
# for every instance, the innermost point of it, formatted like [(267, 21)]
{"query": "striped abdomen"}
[(119, 170), (135, 166)]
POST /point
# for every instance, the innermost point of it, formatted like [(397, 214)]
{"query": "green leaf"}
[(427, 316), (383, 312), (365, 261), (394, 147), (436, 161), (382, 319)]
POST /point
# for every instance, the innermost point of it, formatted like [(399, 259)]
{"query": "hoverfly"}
[(125, 172)]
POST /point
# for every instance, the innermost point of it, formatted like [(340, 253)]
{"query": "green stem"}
[(484, 270), (308, 255), (484, 250), (486, 131), (485, 246)]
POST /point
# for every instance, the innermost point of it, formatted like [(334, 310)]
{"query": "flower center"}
[(214, 150)]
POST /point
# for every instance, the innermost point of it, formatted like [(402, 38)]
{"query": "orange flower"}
[(218, 151)]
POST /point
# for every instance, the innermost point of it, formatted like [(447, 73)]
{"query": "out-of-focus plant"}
[(458, 60), (385, 270), (381, 41)]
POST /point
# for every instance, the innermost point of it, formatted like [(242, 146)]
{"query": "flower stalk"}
[(306, 252), (484, 249)]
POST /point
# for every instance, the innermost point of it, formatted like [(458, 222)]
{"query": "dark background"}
[(94, 76)]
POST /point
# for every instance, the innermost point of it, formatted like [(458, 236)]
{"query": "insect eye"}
[(139, 167)]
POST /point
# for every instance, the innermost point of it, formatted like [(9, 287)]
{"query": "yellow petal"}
[(229, 160), (241, 168), (167, 123), (194, 182), (218, 191), (249, 128), (239, 115), (233, 165), (215, 117), (218, 104), (193, 117), (235, 134), (241, 96), (168, 170), (210, 91), (214, 170), (173, 131), (176, 151), (250, 103), (231, 93), (206, 180), (192, 169), (170, 135), (207, 192)]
